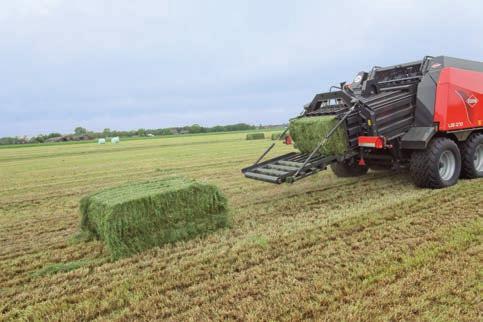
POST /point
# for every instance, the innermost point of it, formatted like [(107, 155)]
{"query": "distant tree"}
[(37, 139), (163, 132), (107, 132), (239, 127), (141, 132), (218, 128), (195, 128), (9, 140), (53, 135), (93, 135), (80, 130)]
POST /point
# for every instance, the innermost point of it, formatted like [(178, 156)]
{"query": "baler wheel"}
[(472, 157), (438, 166), (349, 168)]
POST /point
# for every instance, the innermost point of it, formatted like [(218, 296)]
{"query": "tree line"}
[(81, 133)]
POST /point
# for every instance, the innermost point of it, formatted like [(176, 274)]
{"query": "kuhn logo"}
[(435, 65), (472, 101)]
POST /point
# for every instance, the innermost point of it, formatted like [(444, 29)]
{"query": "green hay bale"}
[(276, 136), (135, 217), (307, 132), (255, 136)]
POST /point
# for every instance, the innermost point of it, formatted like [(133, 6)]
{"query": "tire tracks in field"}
[(307, 241), (311, 191)]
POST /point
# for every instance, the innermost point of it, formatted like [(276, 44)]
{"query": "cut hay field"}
[(371, 248)]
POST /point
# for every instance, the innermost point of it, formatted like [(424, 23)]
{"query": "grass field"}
[(371, 248)]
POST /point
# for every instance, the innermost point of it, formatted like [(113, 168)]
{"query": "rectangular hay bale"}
[(307, 132), (135, 217), (276, 136), (255, 136)]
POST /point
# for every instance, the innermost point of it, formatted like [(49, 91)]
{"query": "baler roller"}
[(263, 177), (287, 168)]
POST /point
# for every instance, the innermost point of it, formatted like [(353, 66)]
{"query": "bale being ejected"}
[(426, 115)]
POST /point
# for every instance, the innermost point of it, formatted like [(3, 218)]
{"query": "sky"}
[(126, 64)]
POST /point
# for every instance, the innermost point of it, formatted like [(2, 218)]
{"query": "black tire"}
[(438, 166), (471, 157), (350, 168)]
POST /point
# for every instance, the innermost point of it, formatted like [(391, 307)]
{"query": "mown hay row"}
[(135, 217), (307, 132), (255, 136)]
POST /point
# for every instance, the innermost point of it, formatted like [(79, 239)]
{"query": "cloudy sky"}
[(127, 64)]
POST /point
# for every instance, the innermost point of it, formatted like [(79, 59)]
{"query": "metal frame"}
[(291, 164)]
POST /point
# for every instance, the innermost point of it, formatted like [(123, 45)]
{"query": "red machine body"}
[(459, 100)]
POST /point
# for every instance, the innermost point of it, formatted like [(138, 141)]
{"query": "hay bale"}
[(115, 140), (135, 217), (307, 132), (255, 136), (101, 141), (276, 136)]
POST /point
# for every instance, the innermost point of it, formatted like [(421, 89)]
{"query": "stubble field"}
[(369, 248)]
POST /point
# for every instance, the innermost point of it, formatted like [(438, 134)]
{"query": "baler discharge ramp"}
[(287, 168), (294, 166)]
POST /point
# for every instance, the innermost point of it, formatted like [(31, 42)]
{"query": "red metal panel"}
[(287, 140), (459, 99)]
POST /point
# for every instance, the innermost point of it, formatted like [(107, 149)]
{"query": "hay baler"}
[(426, 115)]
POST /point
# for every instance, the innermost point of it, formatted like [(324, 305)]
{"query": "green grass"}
[(137, 216), (260, 240), (456, 239), (373, 248), (55, 268)]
